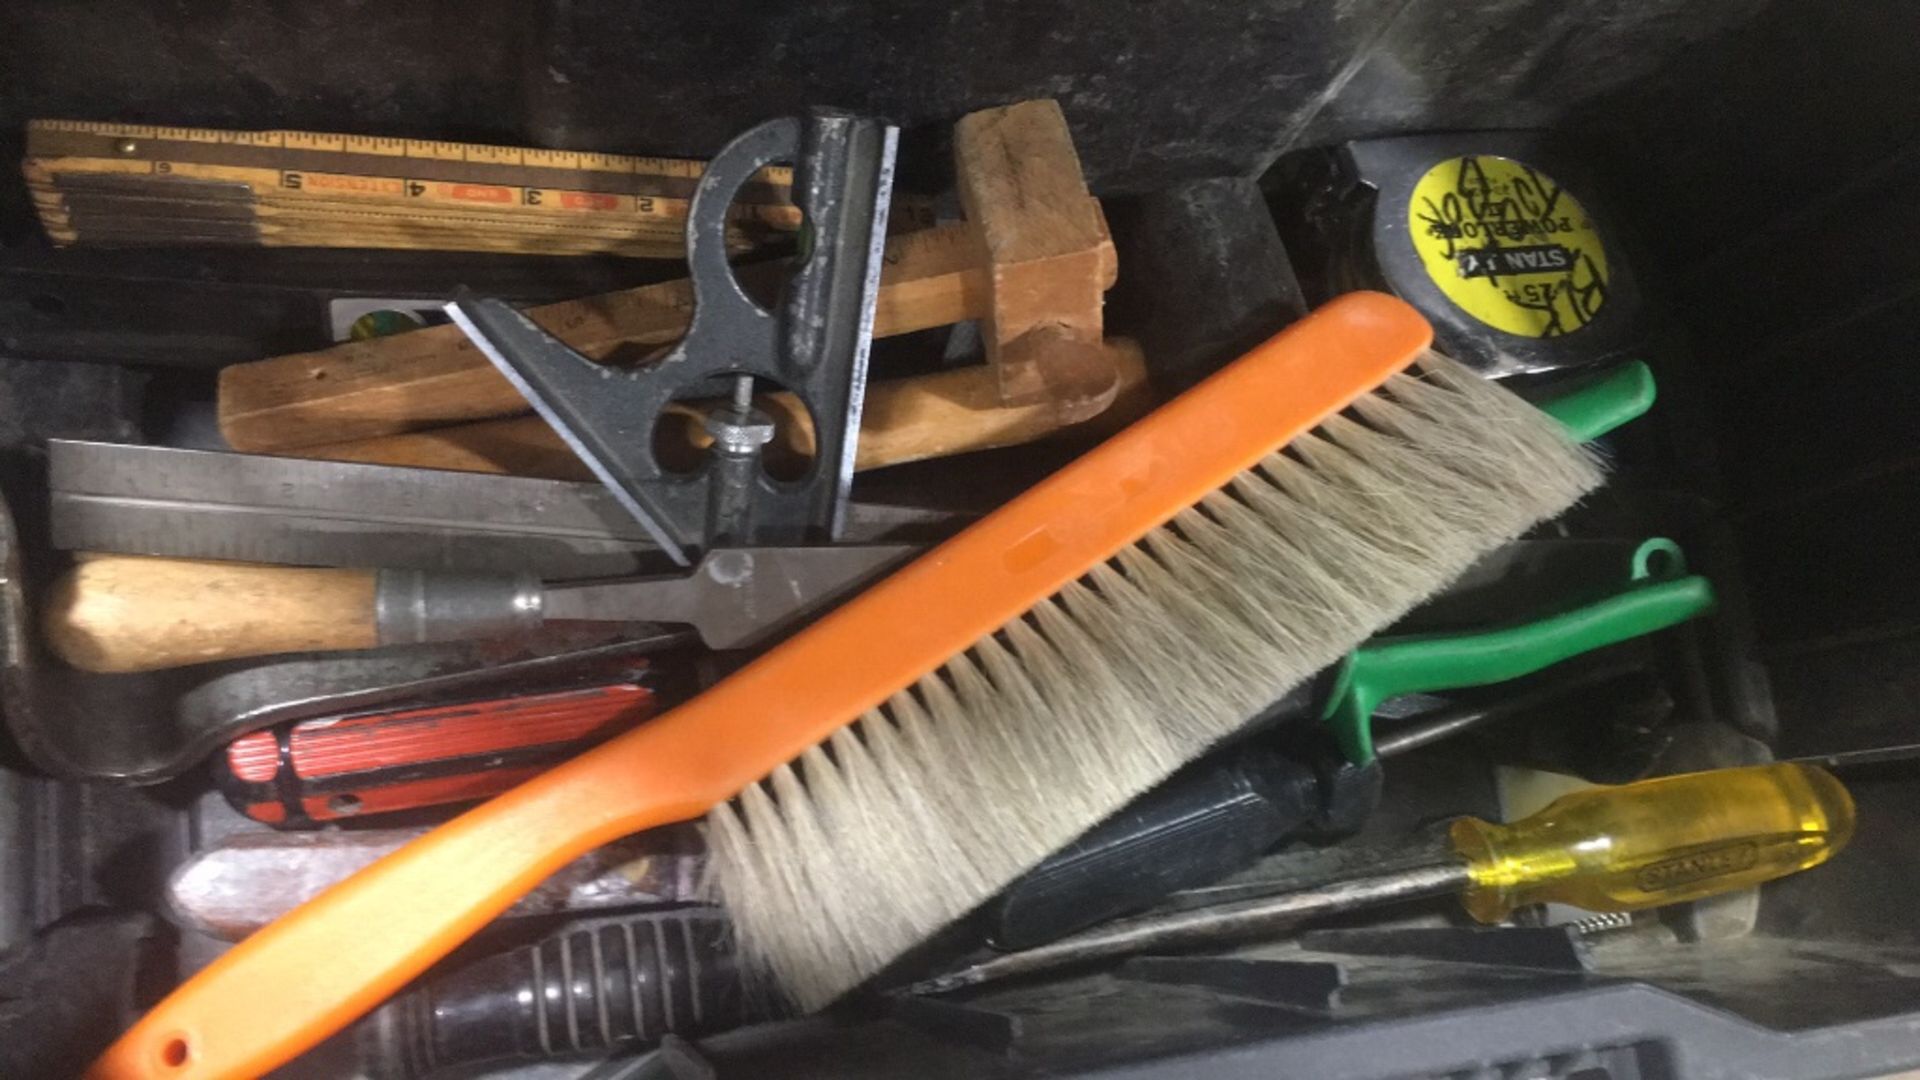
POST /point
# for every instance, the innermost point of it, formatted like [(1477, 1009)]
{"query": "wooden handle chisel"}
[(123, 613)]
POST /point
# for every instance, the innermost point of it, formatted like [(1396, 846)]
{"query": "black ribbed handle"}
[(592, 984), (1201, 825)]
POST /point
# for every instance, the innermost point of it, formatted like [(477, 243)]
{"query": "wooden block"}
[(434, 376), (961, 411), (517, 445), (904, 420), (1049, 258)]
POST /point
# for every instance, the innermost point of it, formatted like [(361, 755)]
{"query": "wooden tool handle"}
[(135, 613), (432, 376), (908, 419)]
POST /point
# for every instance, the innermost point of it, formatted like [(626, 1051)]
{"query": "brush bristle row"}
[(922, 809)]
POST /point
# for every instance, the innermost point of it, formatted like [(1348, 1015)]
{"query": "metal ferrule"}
[(412, 606)]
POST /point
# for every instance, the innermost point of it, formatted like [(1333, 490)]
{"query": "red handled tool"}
[(380, 762)]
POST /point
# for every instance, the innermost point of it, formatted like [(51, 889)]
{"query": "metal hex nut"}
[(736, 433)]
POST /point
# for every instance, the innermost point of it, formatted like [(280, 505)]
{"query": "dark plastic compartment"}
[(1762, 158)]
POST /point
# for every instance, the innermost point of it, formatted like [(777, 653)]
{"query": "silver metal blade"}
[(1848, 759), (199, 504), (735, 596), (1208, 926), (149, 500), (514, 344)]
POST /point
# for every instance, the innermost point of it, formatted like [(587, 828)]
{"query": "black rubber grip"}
[(1208, 821), (590, 985)]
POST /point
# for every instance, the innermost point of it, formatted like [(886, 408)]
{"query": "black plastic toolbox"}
[(1761, 160)]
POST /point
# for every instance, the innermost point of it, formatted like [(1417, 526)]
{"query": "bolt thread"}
[(1604, 923)]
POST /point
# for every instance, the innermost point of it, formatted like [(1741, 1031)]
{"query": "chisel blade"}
[(735, 596)]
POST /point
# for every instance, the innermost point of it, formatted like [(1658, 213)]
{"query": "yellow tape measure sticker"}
[(1509, 245)]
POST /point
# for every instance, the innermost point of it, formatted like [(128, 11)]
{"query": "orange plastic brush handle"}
[(324, 964)]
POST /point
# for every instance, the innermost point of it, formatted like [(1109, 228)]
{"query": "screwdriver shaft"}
[(1210, 926)]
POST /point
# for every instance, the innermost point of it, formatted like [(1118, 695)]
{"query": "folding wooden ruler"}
[(136, 185)]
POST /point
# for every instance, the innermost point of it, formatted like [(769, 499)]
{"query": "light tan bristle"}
[(923, 808)]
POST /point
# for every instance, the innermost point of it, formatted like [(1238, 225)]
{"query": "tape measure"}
[(1500, 241), (140, 185)]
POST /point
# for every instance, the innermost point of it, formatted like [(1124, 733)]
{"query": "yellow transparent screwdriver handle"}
[(1657, 841)]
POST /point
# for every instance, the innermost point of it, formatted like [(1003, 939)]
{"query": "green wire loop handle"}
[(1424, 663), (1595, 405), (1589, 408)]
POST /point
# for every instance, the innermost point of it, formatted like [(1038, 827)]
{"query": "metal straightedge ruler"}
[(200, 504)]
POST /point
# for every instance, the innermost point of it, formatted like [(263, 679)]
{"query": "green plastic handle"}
[(1394, 666), (1588, 408), (1593, 406)]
